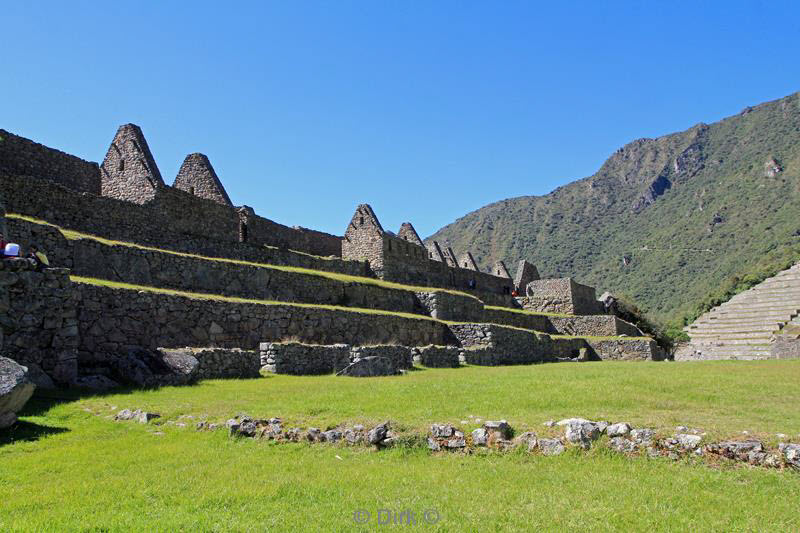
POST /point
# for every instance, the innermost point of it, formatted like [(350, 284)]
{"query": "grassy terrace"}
[(75, 235), (234, 299), (69, 467), (526, 312)]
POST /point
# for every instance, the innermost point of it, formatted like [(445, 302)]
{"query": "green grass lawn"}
[(69, 467)]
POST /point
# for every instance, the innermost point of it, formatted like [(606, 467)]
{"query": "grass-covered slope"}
[(69, 467), (689, 211)]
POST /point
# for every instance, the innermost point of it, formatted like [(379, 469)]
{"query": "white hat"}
[(12, 250)]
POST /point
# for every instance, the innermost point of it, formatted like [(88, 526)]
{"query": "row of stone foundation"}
[(577, 433)]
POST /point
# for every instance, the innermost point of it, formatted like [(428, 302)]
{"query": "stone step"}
[(763, 301), (767, 294), (732, 321), (757, 341), (728, 329), (740, 352), (753, 313)]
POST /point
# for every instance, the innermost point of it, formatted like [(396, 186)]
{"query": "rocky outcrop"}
[(15, 390)]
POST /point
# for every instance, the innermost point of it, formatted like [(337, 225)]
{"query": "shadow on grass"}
[(24, 431)]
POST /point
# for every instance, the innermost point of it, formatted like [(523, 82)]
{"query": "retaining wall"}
[(222, 363), (627, 349), (594, 325), (561, 295), (437, 356), (38, 319), (61, 251), (111, 319), (24, 157), (173, 219)]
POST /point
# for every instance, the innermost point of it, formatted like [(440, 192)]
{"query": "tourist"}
[(515, 293), (39, 259), (10, 250), (471, 283)]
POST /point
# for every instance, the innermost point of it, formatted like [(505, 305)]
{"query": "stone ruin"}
[(107, 320)]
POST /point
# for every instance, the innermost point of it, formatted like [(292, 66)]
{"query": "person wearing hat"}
[(38, 258)]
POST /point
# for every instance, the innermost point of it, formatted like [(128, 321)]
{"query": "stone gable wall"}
[(196, 176), (24, 157), (129, 171)]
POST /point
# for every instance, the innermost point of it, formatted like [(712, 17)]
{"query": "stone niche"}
[(562, 295)]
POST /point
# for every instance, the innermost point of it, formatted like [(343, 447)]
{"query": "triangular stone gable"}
[(468, 262), (526, 273), (499, 269), (129, 171), (365, 220), (450, 257), (408, 233), (196, 176), (435, 252)]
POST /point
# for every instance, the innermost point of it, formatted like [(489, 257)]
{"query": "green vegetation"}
[(68, 466), (720, 200)]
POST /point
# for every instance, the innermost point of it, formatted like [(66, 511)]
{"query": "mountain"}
[(665, 222)]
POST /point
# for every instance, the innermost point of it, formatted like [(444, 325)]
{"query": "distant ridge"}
[(642, 224)]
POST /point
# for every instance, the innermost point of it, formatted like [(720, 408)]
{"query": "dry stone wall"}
[(519, 320), (562, 295), (129, 171), (112, 319), (450, 306), (400, 356), (173, 220), (489, 344), (437, 356), (593, 325), (24, 157), (39, 319), (303, 359), (196, 176), (221, 363), (626, 349), (68, 252)]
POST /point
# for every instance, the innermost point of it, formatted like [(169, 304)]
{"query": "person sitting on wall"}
[(515, 293), (11, 250), (39, 259)]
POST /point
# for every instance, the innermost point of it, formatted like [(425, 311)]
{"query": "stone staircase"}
[(743, 327)]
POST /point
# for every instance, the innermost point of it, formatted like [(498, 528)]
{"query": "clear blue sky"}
[(426, 110)]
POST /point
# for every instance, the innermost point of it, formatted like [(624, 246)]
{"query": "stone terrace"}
[(158, 267)]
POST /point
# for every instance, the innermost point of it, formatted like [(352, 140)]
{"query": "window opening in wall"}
[(242, 231), (121, 166), (390, 246), (191, 190)]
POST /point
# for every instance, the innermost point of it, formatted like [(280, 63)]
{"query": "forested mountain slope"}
[(664, 222)]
